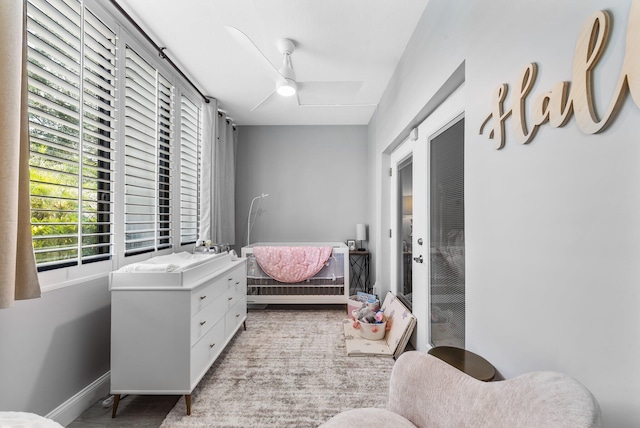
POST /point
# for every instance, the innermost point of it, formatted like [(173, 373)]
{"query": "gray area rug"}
[(288, 369)]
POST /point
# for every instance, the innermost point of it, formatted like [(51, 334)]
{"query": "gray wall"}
[(552, 231), (316, 180), (53, 347)]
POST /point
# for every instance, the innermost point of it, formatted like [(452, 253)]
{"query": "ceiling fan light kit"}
[(286, 87)]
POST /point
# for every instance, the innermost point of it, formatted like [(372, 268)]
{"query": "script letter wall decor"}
[(565, 98)]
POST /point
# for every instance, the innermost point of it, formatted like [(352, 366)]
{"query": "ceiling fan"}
[(286, 84)]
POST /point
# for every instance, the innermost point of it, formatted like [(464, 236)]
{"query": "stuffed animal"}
[(364, 314)]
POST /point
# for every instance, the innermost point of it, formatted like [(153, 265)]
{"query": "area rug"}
[(288, 369)]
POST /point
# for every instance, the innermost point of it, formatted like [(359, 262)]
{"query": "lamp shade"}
[(407, 205), (361, 232)]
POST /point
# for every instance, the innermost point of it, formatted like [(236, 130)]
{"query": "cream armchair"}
[(427, 392)]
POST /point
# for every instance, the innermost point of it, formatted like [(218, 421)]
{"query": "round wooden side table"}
[(465, 361)]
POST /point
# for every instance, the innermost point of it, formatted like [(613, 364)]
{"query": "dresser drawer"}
[(207, 349), (238, 277), (206, 294), (204, 320), (236, 315), (235, 292)]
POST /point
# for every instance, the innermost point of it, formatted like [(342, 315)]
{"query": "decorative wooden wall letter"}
[(564, 98)]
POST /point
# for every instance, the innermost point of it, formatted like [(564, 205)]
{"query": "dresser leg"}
[(116, 401), (187, 399), (244, 324)]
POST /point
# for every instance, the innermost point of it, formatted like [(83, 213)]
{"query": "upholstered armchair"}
[(426, 392)]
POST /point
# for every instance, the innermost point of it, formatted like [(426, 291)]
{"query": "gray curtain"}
[(223, 210), (209, 125), (18, 274), (218, 177)]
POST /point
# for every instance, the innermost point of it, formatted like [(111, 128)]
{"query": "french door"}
[(427, 226)]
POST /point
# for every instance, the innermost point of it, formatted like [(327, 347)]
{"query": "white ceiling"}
[(336, 41)]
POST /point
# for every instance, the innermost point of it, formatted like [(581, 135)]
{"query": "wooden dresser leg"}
[(187, 399), (116, 401)]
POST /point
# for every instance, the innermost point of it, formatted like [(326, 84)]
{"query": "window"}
[(189, 171), (95, 102), (71, 69), (148, 145)]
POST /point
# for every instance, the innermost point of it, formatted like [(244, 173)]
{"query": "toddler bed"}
[(297, 272)]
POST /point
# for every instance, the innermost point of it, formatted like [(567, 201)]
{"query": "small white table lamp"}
[(361, 234)]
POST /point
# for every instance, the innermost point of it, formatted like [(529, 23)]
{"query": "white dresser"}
[(164, 337)]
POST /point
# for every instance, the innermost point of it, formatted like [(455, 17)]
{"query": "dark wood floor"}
[(140, 411)]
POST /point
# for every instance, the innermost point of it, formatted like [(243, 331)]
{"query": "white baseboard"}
[(68, 411)]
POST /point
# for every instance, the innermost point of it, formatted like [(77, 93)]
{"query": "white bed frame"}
[(310, 291)]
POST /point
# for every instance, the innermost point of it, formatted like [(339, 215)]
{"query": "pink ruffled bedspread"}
[(291, 264)]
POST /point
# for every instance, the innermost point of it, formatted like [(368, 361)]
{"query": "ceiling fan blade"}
[(338, 105), (331, 94), (263, 100), (244, 40)]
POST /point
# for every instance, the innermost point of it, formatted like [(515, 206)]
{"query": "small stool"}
[(465, 361)]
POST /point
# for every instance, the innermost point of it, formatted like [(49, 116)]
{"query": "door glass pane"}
[(447, 248), (405, 207)]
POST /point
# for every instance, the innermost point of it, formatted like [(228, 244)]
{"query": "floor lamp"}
[(261, 197)]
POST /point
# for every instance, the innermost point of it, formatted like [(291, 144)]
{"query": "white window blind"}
[(71, 68), (147, 145), (190, 136), (447, 244)]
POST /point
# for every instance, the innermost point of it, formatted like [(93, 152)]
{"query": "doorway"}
[(427, 225)]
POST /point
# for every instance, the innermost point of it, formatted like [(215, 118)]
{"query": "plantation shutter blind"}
[(190, 137), (98, 114), (71, 69), (165, 157), (149, 118), (140, 154)]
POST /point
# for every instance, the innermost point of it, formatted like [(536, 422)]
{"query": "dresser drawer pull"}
[(230, 279), (203, 322), (212, 345), (237, 315), (230, 298), (237, 282), (203, 297)]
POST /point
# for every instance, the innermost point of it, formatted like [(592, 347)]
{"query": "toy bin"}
[(373, 331)]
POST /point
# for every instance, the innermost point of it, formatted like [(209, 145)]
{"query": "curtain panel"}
[(18, 273), (218, 177), (224, 225), (209, 124)]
